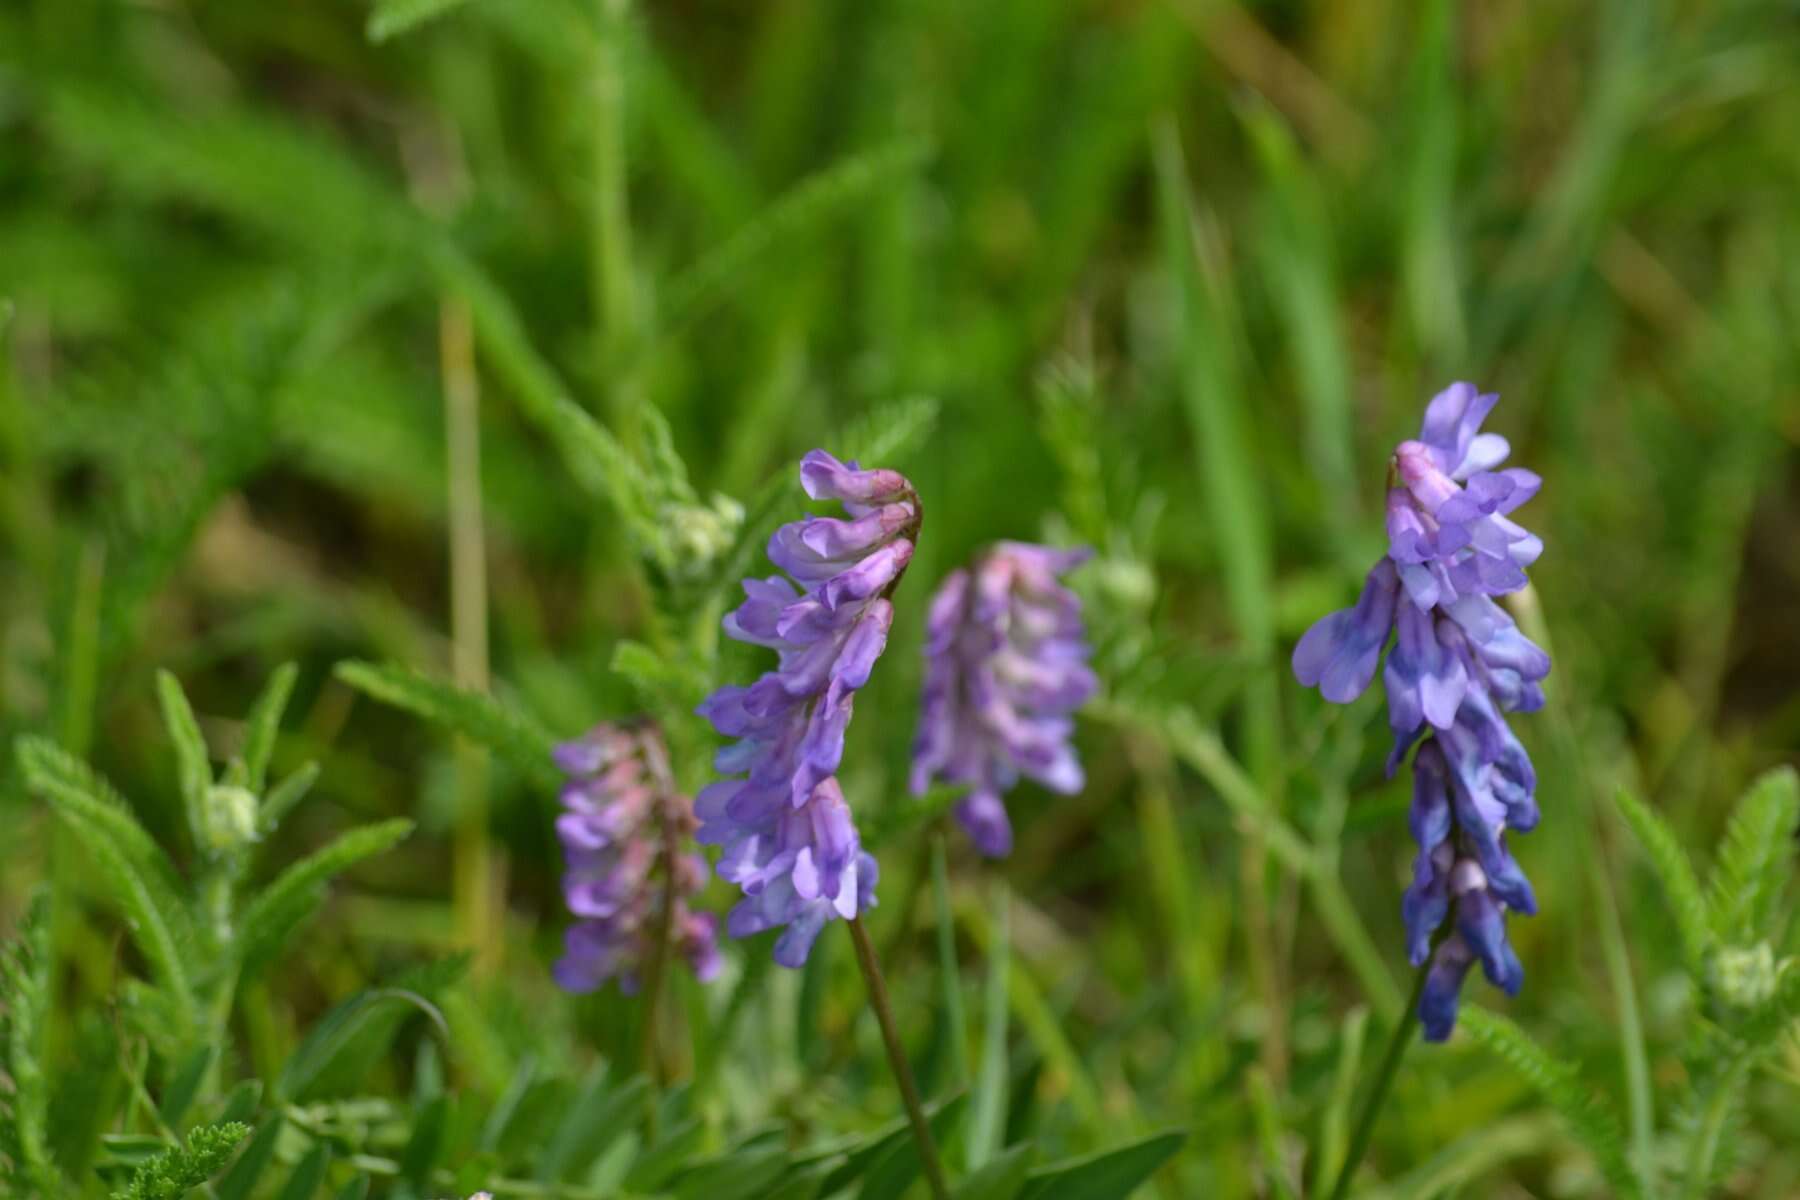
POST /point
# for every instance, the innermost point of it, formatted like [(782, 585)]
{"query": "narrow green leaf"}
[(426, 1146), (1680, 886), (309, 1176), (987, 1113), (740, 1175), (592, 453), (240, 1103), (1110, 1175), (356, 1189), (297, 891), (365, 1023), (949, 972), (285, 795), (895, 1171), (179, 1095), (1592, 1121), (391, 18), (264, 723), (247, 1171), (591, 1125), (1756, 858), (194, 767), (1003, 1178), (514, 736), (507, 1106), (796, 214), (1335, 1124)]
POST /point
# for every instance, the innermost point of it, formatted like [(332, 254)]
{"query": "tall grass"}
[(459, 353)]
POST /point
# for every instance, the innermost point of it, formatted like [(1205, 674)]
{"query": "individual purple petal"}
[(825, 478), (1339, 654), (1442, 994)]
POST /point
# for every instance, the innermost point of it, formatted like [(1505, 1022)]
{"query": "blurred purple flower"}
[(621, 826), (1006, 663), (1459, 663), (789, 839)]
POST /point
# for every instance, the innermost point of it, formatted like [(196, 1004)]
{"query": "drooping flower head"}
[(622, 829), (789, 839), (1457, 666), (1006, 664)]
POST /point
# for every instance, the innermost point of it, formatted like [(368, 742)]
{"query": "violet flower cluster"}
[(789, 839), (621, 829), (1458, 665), (1006, 665)]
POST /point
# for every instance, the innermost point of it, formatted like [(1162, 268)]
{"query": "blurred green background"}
[(1169, 277)]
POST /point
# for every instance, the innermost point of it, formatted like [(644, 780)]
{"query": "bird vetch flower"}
[(1006, 663), (622, 824), (1457, 666), (790, 841)]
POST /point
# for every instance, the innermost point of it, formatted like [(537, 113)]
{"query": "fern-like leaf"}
[(176, 1171), (24, 1006), (194, 768), (514, 736), (134, 866), (814, 200), (1681, 887), (300, 889), (1756, 857), (1589, 1118), (264, 723)]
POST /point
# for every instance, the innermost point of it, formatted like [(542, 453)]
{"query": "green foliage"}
[(172, 1174), (24, 1010), (133, 867), (1681, 887), (271, 918), (1588, 1117), (391, 18), (1175, 277), (1756, 858), (507, 732)]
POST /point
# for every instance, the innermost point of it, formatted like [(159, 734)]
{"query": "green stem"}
[(658, 968), (890, 1037), (1712, 1127), (614, 292), (1384, 1082), (474, 891)]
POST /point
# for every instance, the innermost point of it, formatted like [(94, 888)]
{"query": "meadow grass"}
[(459, 354)]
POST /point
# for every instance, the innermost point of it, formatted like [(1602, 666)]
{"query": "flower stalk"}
[(896, 1054)]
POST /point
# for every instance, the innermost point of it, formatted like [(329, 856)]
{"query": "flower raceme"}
[(1006, 663), (790, 841), (1457, 666), (621, 829)]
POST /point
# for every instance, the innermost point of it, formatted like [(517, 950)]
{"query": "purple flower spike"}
[(789, 841), (1458, 665), (621, 829), (1006, 663)]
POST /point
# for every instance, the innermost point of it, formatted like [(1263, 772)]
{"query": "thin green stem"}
[(658, 968), (614, 289), (890, 1037), (1384, 1082), (475, 890)]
